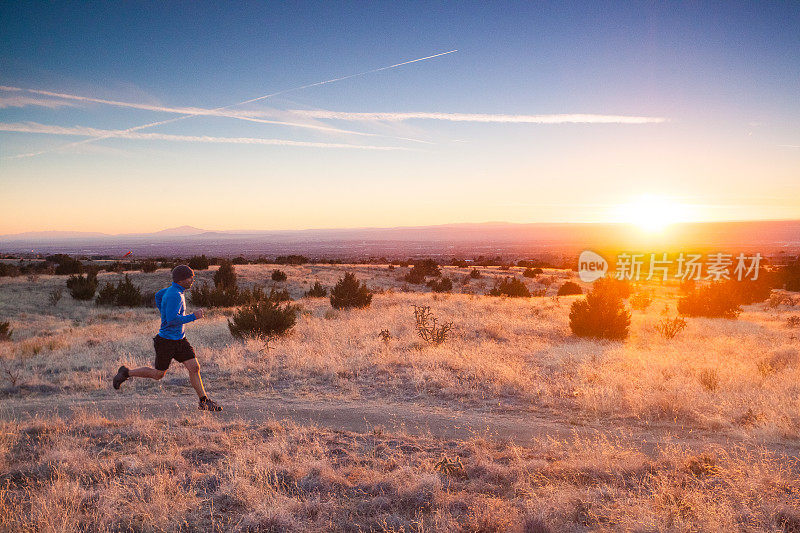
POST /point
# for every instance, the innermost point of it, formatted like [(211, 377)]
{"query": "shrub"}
[(123, 294), (82, 287), (278, 275), (442, 285), (569, 288), (530, 272), (317, 291), (790, 276), (421, 270), (280, 295), (601, 314), (69, 266), (669, 327), (414, 276), (238, 261), (777, 299), (149, 266), (748, 291), (5, 331), (713, 301), (687, 285), (225, 276), (474, 273), (512, 287), (428, 267), (116, 266), (224, 296), (11, 271), (263, 319), (349, 292), (198, 262), (291, 260), (641, 301), (620, 287), (793, 321)]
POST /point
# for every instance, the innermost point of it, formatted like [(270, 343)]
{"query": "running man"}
[(171, 343)]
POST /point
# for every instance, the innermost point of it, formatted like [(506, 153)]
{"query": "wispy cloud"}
[(571, 118), (252, 116), (81, 131), (25, 101)]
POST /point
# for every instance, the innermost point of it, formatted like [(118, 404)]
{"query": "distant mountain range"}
[(445, 240)]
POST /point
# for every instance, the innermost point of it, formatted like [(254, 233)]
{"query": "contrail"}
[(570, 118), (193, 111), (33, 127), (154, 124)]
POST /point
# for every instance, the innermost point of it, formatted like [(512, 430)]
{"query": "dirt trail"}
[(414, 419)]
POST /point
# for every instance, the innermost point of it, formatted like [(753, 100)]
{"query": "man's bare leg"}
[(194, 377), (146, 372)]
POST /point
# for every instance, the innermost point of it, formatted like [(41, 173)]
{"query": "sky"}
[(139, 116)]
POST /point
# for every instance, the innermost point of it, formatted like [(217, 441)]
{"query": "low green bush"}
[(349, 292), (263, 319), (82, 287)]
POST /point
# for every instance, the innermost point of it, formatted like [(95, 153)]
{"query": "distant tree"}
[(198, 262), (225, 276), (69, 266), (149, 266), (291, 260), (790, 276), (278, 275)]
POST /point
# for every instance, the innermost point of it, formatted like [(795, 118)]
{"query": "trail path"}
[(414, 419)]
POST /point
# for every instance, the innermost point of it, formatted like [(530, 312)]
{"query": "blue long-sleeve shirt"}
[(171, 302)]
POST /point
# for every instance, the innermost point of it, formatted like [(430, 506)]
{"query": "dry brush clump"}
[(668, 328), (427, 327)]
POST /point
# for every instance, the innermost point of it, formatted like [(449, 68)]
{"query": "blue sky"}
[(693, 104)]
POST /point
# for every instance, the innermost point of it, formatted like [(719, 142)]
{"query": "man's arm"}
[(159, 297), (171, 316)]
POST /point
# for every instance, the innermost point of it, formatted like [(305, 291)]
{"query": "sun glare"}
[(651, 213)]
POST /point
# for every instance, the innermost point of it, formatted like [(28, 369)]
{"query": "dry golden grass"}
[(142, 474), (741, 375), (737, 378)]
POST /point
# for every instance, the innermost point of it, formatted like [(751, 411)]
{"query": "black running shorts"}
[(168, 349)]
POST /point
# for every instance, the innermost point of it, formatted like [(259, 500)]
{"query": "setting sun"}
[(652, 213)]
